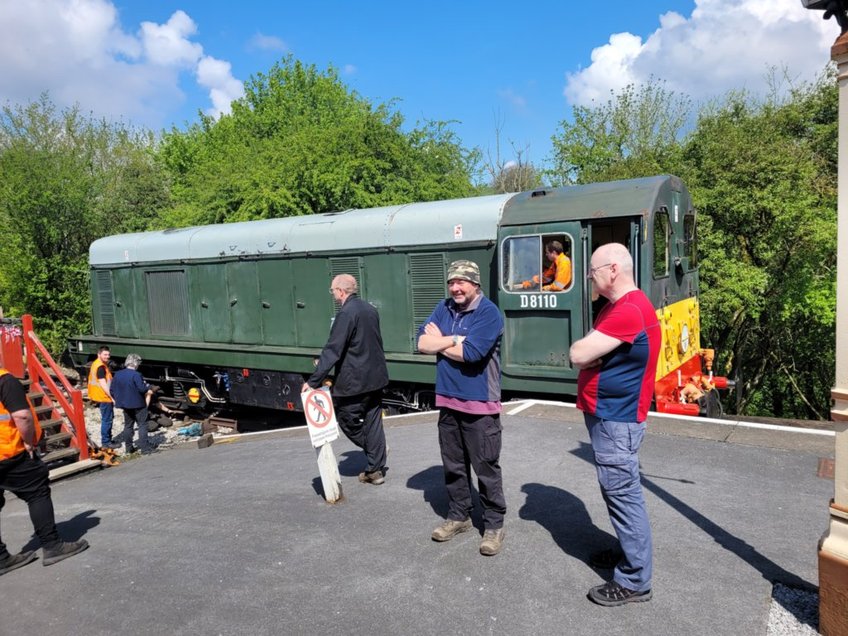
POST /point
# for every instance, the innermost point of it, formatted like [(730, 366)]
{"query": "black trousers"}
[(29, 479), (361, 418), (472, 441), (132, 417)]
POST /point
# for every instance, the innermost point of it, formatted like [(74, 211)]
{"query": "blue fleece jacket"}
[(478, 377)]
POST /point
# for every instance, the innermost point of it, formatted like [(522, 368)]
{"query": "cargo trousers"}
[(616, 448), (472, 441)]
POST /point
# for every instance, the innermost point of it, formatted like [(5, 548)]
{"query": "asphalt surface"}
[(236, 538)]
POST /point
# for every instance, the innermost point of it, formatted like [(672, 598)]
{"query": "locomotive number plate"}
[(538, 301)]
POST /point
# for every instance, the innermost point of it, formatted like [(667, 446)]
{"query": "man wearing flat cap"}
[(464, 331)]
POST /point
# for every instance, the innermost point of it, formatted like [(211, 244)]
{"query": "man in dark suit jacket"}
[(355, 349)]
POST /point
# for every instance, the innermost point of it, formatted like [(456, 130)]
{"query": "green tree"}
[(636, 133), (299, 142), (763, 177), (66, 180), (516, 174)]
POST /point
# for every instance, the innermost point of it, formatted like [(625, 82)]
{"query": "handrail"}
[(73, 410)]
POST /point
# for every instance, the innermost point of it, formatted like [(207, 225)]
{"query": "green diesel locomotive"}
[(235, 314)]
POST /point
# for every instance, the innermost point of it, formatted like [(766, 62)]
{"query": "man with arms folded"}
[(618, 362), (465, 332)]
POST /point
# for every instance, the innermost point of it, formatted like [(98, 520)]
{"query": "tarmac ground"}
[(237, 538)]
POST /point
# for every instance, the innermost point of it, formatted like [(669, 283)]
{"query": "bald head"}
[(346, 283), (612, 271), (342, 287), (618, 254)]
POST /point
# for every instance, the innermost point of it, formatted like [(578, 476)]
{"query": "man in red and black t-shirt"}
[(618, 364)]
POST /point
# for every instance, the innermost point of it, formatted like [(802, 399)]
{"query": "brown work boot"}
[(63, 550), (449, 529), (375, 477), (492, 542), (15, 561)]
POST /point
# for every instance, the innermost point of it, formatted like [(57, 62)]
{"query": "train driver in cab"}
[(557, 276)]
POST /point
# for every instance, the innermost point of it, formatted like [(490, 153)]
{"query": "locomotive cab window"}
[(537, 263), (661, 236)]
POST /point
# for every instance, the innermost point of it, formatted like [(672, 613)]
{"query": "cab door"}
[(539, 325), (624, 230)]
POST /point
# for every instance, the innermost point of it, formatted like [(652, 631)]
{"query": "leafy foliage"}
[(300, 143), (66, 180), (762, 175), (635, 133)]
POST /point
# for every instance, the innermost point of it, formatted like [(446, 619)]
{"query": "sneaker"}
[(606, 559), (63, 550), (15, 561), (611, 594), (375, 477), (449, 529), (492, 542)]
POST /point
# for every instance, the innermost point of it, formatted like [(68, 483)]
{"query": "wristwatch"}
[(455, 340)]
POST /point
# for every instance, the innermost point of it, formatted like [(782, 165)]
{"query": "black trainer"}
[(611, 594), (15, 561), (63, 550)]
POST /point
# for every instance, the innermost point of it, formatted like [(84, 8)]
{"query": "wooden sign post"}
[(323, 429)]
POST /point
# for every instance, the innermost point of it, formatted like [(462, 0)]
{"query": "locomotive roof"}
[(473, 219), (439, 222), (591, 201)]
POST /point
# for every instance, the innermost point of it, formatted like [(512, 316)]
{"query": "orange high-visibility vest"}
[(95, 391), (11, 442)]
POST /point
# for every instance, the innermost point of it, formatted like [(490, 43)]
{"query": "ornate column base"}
[(833, 574)]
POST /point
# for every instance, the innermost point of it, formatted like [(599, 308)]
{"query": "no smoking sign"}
[(320, 416)]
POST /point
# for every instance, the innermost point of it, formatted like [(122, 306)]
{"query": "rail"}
[(74, 411)]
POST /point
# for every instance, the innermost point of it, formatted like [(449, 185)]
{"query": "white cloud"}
[(267, 43), (216, 75), (78, 51), (168, 44), (349, 69), (516, 101), (724, 44)]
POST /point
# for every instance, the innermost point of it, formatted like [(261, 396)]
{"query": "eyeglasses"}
[(332, 289), (592, 270)]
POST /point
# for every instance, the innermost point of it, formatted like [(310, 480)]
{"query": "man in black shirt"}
[(23, 473), (355, 349)]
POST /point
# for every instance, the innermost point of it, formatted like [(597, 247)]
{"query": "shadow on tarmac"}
[(351, 463), (73, 529), (566, 518), (769, 570), (431, 483)]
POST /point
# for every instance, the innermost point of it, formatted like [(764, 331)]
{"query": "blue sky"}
[(487, 65)]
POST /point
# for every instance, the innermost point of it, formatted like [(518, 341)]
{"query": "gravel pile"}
[(793, 612)]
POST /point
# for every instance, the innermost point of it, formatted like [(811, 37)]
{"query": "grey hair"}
[(133, 361), (346, 283)]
